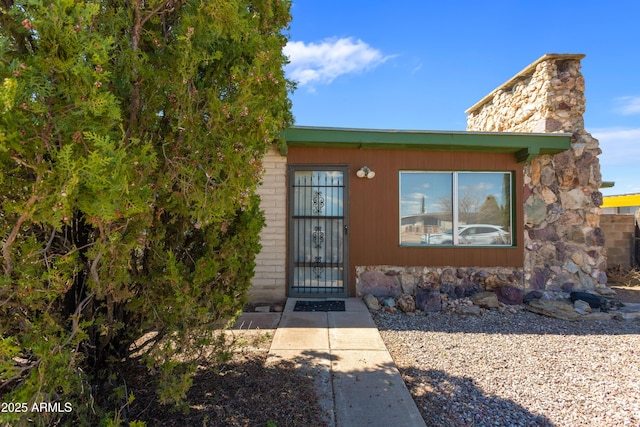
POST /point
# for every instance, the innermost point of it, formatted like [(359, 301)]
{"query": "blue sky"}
[(419, 64)]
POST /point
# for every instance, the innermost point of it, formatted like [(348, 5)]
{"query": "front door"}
[(318, 227)]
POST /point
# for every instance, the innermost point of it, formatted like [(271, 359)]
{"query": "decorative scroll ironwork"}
[(317, 266), (318, 237), (316, 231), (318, 202)]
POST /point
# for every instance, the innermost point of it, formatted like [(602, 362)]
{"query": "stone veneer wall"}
[(564, 243), (431, 287), (269, 283)]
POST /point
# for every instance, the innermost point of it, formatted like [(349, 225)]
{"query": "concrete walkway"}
[(357, 381)]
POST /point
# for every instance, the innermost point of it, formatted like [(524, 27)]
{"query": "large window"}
[(476, 205)]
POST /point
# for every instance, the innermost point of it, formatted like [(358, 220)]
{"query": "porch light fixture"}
[(365, 172)]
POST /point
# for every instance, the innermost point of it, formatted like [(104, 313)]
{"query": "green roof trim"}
[(525, 146)]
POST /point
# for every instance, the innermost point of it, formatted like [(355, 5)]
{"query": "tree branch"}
[(6, 247), (136, 35), (75, 320), (169, 5), (94, 268)]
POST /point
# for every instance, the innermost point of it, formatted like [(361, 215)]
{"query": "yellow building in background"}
[(621, 204)]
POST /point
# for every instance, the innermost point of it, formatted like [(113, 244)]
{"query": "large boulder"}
[(379, 285), (428, 300), (510, 295), (553, 308)]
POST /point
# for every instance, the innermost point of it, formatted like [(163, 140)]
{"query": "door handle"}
[(346, 229)]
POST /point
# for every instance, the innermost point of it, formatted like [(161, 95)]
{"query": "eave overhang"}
[(524, 146)]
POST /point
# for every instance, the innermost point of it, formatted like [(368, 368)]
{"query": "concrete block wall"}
[(618, 232), (269, 282)]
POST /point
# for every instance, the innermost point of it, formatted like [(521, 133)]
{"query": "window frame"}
[(455, 220)]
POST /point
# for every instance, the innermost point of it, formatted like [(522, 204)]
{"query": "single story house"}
[(510, 205)]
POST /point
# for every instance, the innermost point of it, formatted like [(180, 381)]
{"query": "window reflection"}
[(475, 204)]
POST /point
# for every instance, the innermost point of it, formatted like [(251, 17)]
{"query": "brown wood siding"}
[(374, 205)]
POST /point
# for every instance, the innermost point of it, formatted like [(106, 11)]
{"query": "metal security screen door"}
[(317, 231)]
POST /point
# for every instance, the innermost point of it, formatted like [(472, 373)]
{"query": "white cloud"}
[(628, 105), (416, 69), (418, 196), (619, 145), (323, 62)]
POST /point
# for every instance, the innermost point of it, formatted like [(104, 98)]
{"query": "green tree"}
[(131, 139), (490, 212)]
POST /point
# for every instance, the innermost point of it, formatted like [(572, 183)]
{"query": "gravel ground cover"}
[(497, 369), (518, 369)]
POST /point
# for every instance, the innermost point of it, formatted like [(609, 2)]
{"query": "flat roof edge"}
[(300, 130), (524, 145)]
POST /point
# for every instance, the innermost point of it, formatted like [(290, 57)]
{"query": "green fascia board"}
[(524, 146)]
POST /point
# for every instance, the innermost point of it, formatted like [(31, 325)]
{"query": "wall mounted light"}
[(365, 172)]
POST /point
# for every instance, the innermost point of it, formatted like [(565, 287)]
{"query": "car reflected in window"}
[(470, 234)]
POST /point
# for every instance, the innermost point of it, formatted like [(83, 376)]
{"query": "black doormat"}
[(319, 306)]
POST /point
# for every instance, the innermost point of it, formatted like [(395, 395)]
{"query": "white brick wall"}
[(269, 283)]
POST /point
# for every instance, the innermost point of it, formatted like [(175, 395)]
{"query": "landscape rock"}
[(593, 300), (378, 284), (485, 299), (467, 288), (531, 296), (553, 308), (448, 276), (492, 282), (598, 315), (626, 316), (429, 280), (603, 279), (406, 304), (605, 290), (582, 307), (510, 295), (467, 310), (371, 302), (408, 284), (428, 300)]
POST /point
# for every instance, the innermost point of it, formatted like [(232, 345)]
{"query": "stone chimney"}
[(564, 245)]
